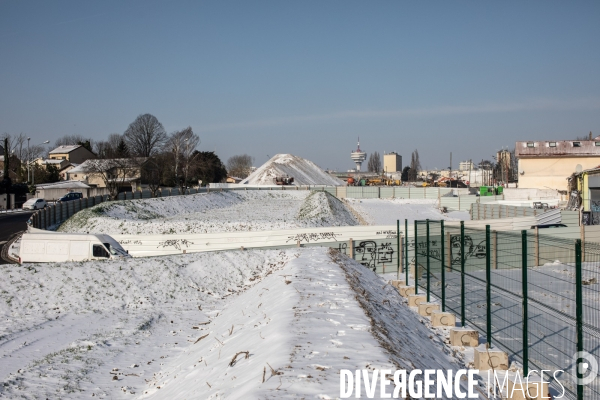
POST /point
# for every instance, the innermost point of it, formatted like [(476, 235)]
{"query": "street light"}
[(29, 161)]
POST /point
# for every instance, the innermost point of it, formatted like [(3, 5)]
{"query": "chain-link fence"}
[(533, 295)]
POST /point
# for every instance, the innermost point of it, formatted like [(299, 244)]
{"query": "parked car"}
[(71, 196), (35, 204)]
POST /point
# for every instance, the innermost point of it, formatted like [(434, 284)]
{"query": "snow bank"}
[(303, 171), (101, 328), (300, 326), (229, 211)]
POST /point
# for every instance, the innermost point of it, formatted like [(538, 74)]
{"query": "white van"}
[(57, 247)]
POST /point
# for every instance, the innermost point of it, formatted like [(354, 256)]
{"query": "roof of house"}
[(63, 185), (558, 148), (65, 149), (52, 161), (89, 165)]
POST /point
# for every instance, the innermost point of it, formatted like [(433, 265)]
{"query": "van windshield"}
[(114, 250)]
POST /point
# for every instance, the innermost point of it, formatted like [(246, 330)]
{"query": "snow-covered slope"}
[(100, 329), (300, 326), (303, 171), (229, 211)]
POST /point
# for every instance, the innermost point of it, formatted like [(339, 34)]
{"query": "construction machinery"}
[(283, 180)]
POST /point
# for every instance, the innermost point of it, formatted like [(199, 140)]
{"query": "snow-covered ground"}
[(171, 327), (82, 324), (304, 172), (228, 211), (388, 211)]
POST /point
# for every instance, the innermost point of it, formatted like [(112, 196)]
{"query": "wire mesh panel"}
[(473, 251), (435, 250)]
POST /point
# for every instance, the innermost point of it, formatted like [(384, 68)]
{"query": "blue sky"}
[(306, 77)]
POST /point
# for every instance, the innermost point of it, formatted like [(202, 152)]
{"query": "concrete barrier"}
[(464, 337), (486, 359), (415, 299), (441, 319), (426, 309)]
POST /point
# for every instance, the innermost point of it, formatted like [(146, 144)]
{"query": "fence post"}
[(582, 235), (524, 296), (462, 273), (488, 284), (579, 313), (416, 269), (428, 265), (537, 246), (406, 267), (351, 248), (449, 255), (398, 248), (443, 273), (458, 202)]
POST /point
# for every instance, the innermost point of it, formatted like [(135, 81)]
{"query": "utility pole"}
[(28, 160)]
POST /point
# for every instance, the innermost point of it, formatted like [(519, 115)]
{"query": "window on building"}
[(576, 144), (552, 144), (597, 143), (530, 144)]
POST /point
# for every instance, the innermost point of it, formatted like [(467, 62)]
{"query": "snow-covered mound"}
[(102, 329), (229, 211), (303, 171)]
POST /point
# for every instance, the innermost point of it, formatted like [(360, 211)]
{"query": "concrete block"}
[(406, 291), (485, 359), (411, 271), (397, 283), (425, 309), (415, 299), (440, 319), (520, 388), (464, 337)]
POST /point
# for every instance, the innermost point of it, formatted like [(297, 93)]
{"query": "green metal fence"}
[(535, 296)]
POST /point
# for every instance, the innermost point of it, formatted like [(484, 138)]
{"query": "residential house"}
[(548, 164), (72, 153), (124, 174), (54, 191)]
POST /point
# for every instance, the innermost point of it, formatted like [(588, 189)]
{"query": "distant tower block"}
[(358, 156)]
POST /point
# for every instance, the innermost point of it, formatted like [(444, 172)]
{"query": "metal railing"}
[(536, 297)]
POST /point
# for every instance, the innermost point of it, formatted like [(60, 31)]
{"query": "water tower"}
[(358, 156)]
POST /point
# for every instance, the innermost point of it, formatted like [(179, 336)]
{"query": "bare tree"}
[(374, 164), (182, 145), (240, 166), (145, 136)]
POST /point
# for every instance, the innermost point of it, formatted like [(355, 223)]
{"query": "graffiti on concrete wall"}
[(373, 255), (313, 237), (175, 243), (472, 249)]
